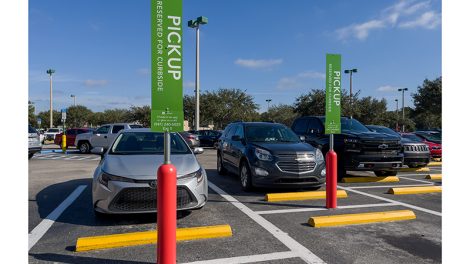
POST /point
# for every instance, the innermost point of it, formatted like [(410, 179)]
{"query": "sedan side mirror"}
[(198, 151)]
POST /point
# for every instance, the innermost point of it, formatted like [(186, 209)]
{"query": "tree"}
[(32, 120), (281, 113), (116, 115), (56, 118), (78, 116), (189, 108), (140, 114), (428, 104), (313, 103), (371, 111)]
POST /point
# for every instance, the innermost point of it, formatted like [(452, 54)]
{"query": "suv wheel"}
[(385, 173), (245, 177), (84, 147), (220, 166)]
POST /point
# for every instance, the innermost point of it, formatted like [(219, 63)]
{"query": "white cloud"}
[(189, 85), (143, 71), (298, 80), (91, 83), (427, 20), (419, 13), (258, 64), (387, 88)]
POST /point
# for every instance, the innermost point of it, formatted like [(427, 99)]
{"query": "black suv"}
[(269, 155), (358, 148)]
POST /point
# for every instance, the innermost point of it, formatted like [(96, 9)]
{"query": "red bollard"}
[(331, 179), (166, 214)]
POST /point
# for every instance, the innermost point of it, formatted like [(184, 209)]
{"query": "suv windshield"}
[(384, 130), (412, 137), (350, 125), (140, 143), (270, 133), (53, 130)]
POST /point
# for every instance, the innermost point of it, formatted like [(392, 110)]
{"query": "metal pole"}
[(397, 128), (50, 100), (197, 78), (350, 94), (166, 148), (403, 108), (332, 141)]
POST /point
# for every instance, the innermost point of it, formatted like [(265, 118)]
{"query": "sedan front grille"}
[(296, 163), (145, 199)]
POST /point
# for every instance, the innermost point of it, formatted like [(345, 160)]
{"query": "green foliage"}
[(78, 116), (428, 104), (140, 114), (32, 120), (45, 117), (281, 113)]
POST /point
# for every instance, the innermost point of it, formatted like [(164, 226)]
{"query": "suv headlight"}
[(105, 178), (319, 156), (262, 154), (198, 174)]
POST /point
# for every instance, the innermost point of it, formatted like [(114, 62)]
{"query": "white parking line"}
[(45, 224), (392, 201), (283, 211), (411, 179), (296, 247), (249, 259), (390, 186)]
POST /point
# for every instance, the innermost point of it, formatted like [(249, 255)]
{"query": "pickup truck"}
[(51, 133), (358, 148), (101, 137)]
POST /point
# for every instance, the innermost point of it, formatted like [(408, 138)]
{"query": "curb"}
[(297, 196), (414, 190), (362, 218), (370, 179)]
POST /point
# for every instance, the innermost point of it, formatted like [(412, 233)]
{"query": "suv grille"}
[(380, 146), (416, 148), (296, 163), (145, 199)]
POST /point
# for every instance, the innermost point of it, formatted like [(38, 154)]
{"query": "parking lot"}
[(60, 211)]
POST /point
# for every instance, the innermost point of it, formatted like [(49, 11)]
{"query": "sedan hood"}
[(144, 167), (278, 148)]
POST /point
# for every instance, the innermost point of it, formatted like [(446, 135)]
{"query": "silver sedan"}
[(125, 179)]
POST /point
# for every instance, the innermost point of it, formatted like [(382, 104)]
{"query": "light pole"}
[(397, 128), (269, 101), (72, 95), (50, 72), (402, 90), (350, 89), (195, 24)]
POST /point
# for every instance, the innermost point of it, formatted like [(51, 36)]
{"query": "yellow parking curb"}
[(149, 237), (437, 159), (434, 177), (425, 169), (362, 218), (434, 164), (370, 179), (415, 190), (294, 196)]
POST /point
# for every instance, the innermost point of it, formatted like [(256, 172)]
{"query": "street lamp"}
[(50, 72), (195, 24), (72, 95), (402, 90), (268, 100), (350, 88), (397, 128)]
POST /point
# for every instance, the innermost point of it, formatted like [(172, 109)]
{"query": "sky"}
[(273, 49)]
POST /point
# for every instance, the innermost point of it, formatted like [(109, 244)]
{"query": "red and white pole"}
[(166, 208), (331, 176)]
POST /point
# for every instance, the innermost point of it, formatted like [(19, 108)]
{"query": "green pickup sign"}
[(333, 94), (167, 65)]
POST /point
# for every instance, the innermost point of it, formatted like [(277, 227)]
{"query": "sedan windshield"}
[(270, 133), (140, 143)]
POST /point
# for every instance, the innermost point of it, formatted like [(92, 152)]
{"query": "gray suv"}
[(269, 155), (101, 137)]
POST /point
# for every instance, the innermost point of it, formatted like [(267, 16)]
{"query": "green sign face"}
[(333, 94), (167, 65)]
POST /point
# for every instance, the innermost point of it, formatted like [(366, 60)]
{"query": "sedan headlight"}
[(262, 154), (105, 178), (319, 156), (197, 174)]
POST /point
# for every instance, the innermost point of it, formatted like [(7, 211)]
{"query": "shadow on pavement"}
[(54, 258)]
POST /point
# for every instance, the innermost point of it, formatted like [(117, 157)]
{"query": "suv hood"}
[(278, 148), (144, 167), (370, 135)]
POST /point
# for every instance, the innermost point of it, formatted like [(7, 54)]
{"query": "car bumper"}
[(32, 150), (131, 198), (417, 158), (361, 162), (278, 178)]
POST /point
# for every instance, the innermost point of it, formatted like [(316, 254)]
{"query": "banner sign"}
[(333, 94), (167, 65)]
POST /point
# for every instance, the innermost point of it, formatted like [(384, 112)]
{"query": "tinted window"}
[(384, 130), (315, 125), (81, 131), (147, 143), (270, 133), (135, 126), (348, 124), (53, 130), (230, 131), (71, 132), (239, 131), (301, 126), (102, 130), (31, 129), (412, 137), (117, 128)]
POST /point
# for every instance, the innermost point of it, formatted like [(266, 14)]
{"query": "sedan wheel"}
[(245, 177), (84, 148)]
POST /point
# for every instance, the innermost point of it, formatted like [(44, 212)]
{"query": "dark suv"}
[(269, 155), (358, 148)]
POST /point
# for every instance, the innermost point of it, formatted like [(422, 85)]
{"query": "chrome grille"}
[(296, 163), (416, 148), (145, 199)]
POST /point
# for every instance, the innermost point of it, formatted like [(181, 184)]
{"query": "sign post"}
[(167, 113), (332, 123), (64, 136)]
